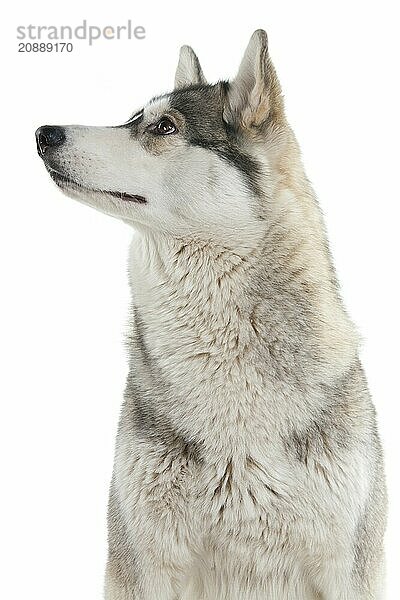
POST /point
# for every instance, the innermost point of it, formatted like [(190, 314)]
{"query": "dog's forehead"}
[(194, 102), (197, 101)]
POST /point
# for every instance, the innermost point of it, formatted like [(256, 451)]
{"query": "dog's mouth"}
[(63, 181)]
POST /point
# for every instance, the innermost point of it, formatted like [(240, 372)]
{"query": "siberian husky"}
[(248, 464)]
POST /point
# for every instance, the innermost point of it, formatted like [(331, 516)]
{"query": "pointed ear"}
[(188, 71), (255, 92)]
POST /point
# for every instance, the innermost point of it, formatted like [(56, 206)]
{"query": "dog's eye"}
[(165, 127)]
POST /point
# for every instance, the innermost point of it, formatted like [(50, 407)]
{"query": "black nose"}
[(49, 137)]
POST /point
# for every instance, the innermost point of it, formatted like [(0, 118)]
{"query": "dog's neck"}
[(215, 299), (190, 294), (219, 323)]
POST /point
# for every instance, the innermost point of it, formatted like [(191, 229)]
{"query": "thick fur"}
[(248, 464)]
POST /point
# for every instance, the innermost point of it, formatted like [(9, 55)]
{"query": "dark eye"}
[(165, 127)]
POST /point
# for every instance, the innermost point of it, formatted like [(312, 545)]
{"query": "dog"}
[(248, 464)]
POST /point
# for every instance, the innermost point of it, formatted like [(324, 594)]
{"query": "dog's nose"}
[(49, 137)]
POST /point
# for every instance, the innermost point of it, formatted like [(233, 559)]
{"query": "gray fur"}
[(142, 395), (202, 105)]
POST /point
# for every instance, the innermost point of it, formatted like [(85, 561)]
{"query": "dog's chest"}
[(216, 397)]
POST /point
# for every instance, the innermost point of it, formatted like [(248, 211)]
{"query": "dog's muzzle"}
[(49, 136)]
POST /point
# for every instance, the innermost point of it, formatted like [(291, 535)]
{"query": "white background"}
[(64, 286)]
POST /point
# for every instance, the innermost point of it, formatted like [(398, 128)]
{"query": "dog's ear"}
[(255, 93), (188, 71)]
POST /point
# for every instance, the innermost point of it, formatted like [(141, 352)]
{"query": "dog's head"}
[(194, 162)]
